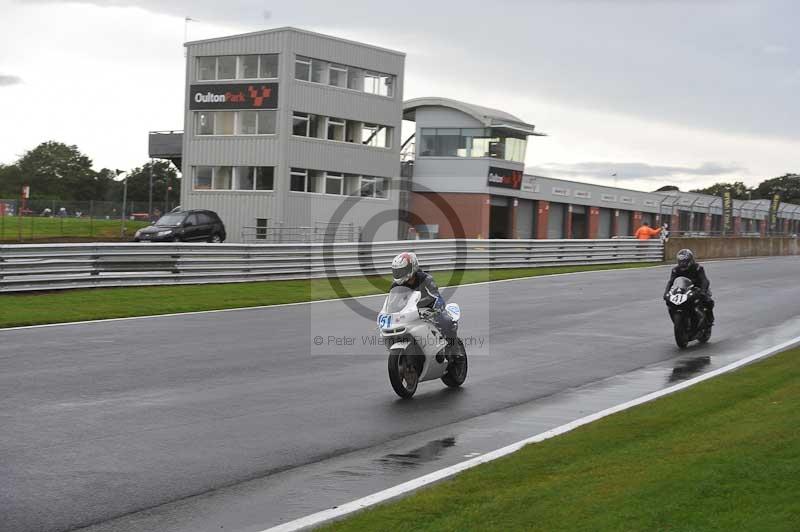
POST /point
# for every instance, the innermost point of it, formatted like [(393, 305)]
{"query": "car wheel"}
[(215, 239)]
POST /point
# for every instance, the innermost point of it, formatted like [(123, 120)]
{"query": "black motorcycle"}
[(690, 318)]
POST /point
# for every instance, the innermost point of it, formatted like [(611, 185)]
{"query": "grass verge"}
[(99, 303), (47, 229), (722, 455)]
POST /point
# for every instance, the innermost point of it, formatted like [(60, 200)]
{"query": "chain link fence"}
[(75, 221)]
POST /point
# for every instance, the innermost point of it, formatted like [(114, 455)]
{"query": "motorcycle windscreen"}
[(398, 298), (681, 284)]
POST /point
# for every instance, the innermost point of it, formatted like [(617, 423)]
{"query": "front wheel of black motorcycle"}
[(705, 336), (457, 369), (403, 373), (681, 334)]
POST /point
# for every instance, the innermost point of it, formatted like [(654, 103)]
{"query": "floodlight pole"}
[(124, 205)]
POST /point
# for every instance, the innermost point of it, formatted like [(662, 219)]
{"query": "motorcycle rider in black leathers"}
[(406, 272), (689, 268)]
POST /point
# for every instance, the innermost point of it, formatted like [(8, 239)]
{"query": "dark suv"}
[(184, 226)]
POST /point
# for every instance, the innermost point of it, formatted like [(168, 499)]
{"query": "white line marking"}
[(324, 516), (276, 305)]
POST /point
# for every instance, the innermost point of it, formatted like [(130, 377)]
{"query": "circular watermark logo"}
[(450, 256)]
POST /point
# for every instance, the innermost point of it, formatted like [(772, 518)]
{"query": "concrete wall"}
[(722, 248)]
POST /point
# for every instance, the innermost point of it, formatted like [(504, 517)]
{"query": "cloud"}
[(6, 80), (630, 171), (727, 66)]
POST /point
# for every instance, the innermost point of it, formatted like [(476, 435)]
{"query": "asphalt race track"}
[(104, 419)]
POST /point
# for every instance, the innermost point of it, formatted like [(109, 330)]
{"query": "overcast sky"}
[(686, 92)]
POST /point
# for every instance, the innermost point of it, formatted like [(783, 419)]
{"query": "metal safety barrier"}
[(60, 266)]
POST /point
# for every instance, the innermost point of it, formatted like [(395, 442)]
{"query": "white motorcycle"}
[(416, 345)]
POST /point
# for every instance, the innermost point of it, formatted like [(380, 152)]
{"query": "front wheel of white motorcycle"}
[(457, 370), (403, 373)]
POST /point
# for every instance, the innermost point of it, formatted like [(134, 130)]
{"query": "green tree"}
[(164, 174), (738, 190), (10, 181), (55, 170), (788, 186)]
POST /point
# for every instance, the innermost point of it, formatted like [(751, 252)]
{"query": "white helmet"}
[(404, 266)]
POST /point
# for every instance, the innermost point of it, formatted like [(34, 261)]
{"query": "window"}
[(308, 125), (243, 178), (351, 185), (204, 219), (206, 68), (380, 187), (254, 177), (338, 76), (233, 178), (202, 177), (297, 180), (316, 180), (222, 178), (261, 228), (191, 220), (240, 122), (386, 87), (237, 67), (341, 130), (371, 82), (469, 142), (224, 122), (226, 67), (476, 142), (265, 177), (334, 183), (204, 123), (336, 129), (346, 77), (352, 130), (318, 69), (247, 123), (266, 122), (367, 187), (302, 68), (355, 79), (316, 126), (372, 187), (376, 135), (300, 124), (268, 66), (448, 140), (248, 66)]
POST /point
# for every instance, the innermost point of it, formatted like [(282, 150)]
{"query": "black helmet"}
[(685, 259)]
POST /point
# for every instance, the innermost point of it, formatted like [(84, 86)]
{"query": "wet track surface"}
[(104, 419)]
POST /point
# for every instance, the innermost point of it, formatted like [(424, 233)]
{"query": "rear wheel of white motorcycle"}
[(681, 334), (403, 373), (457, 370)]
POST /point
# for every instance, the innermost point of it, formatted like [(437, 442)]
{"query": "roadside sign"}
[(26, 191)]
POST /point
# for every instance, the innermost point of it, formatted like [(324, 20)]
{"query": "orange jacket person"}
[(645, 232)]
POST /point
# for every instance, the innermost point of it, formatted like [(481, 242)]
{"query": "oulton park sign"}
[(234, 96)]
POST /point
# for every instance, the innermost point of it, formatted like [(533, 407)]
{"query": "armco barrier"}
[(734, 247), (60, 266)]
